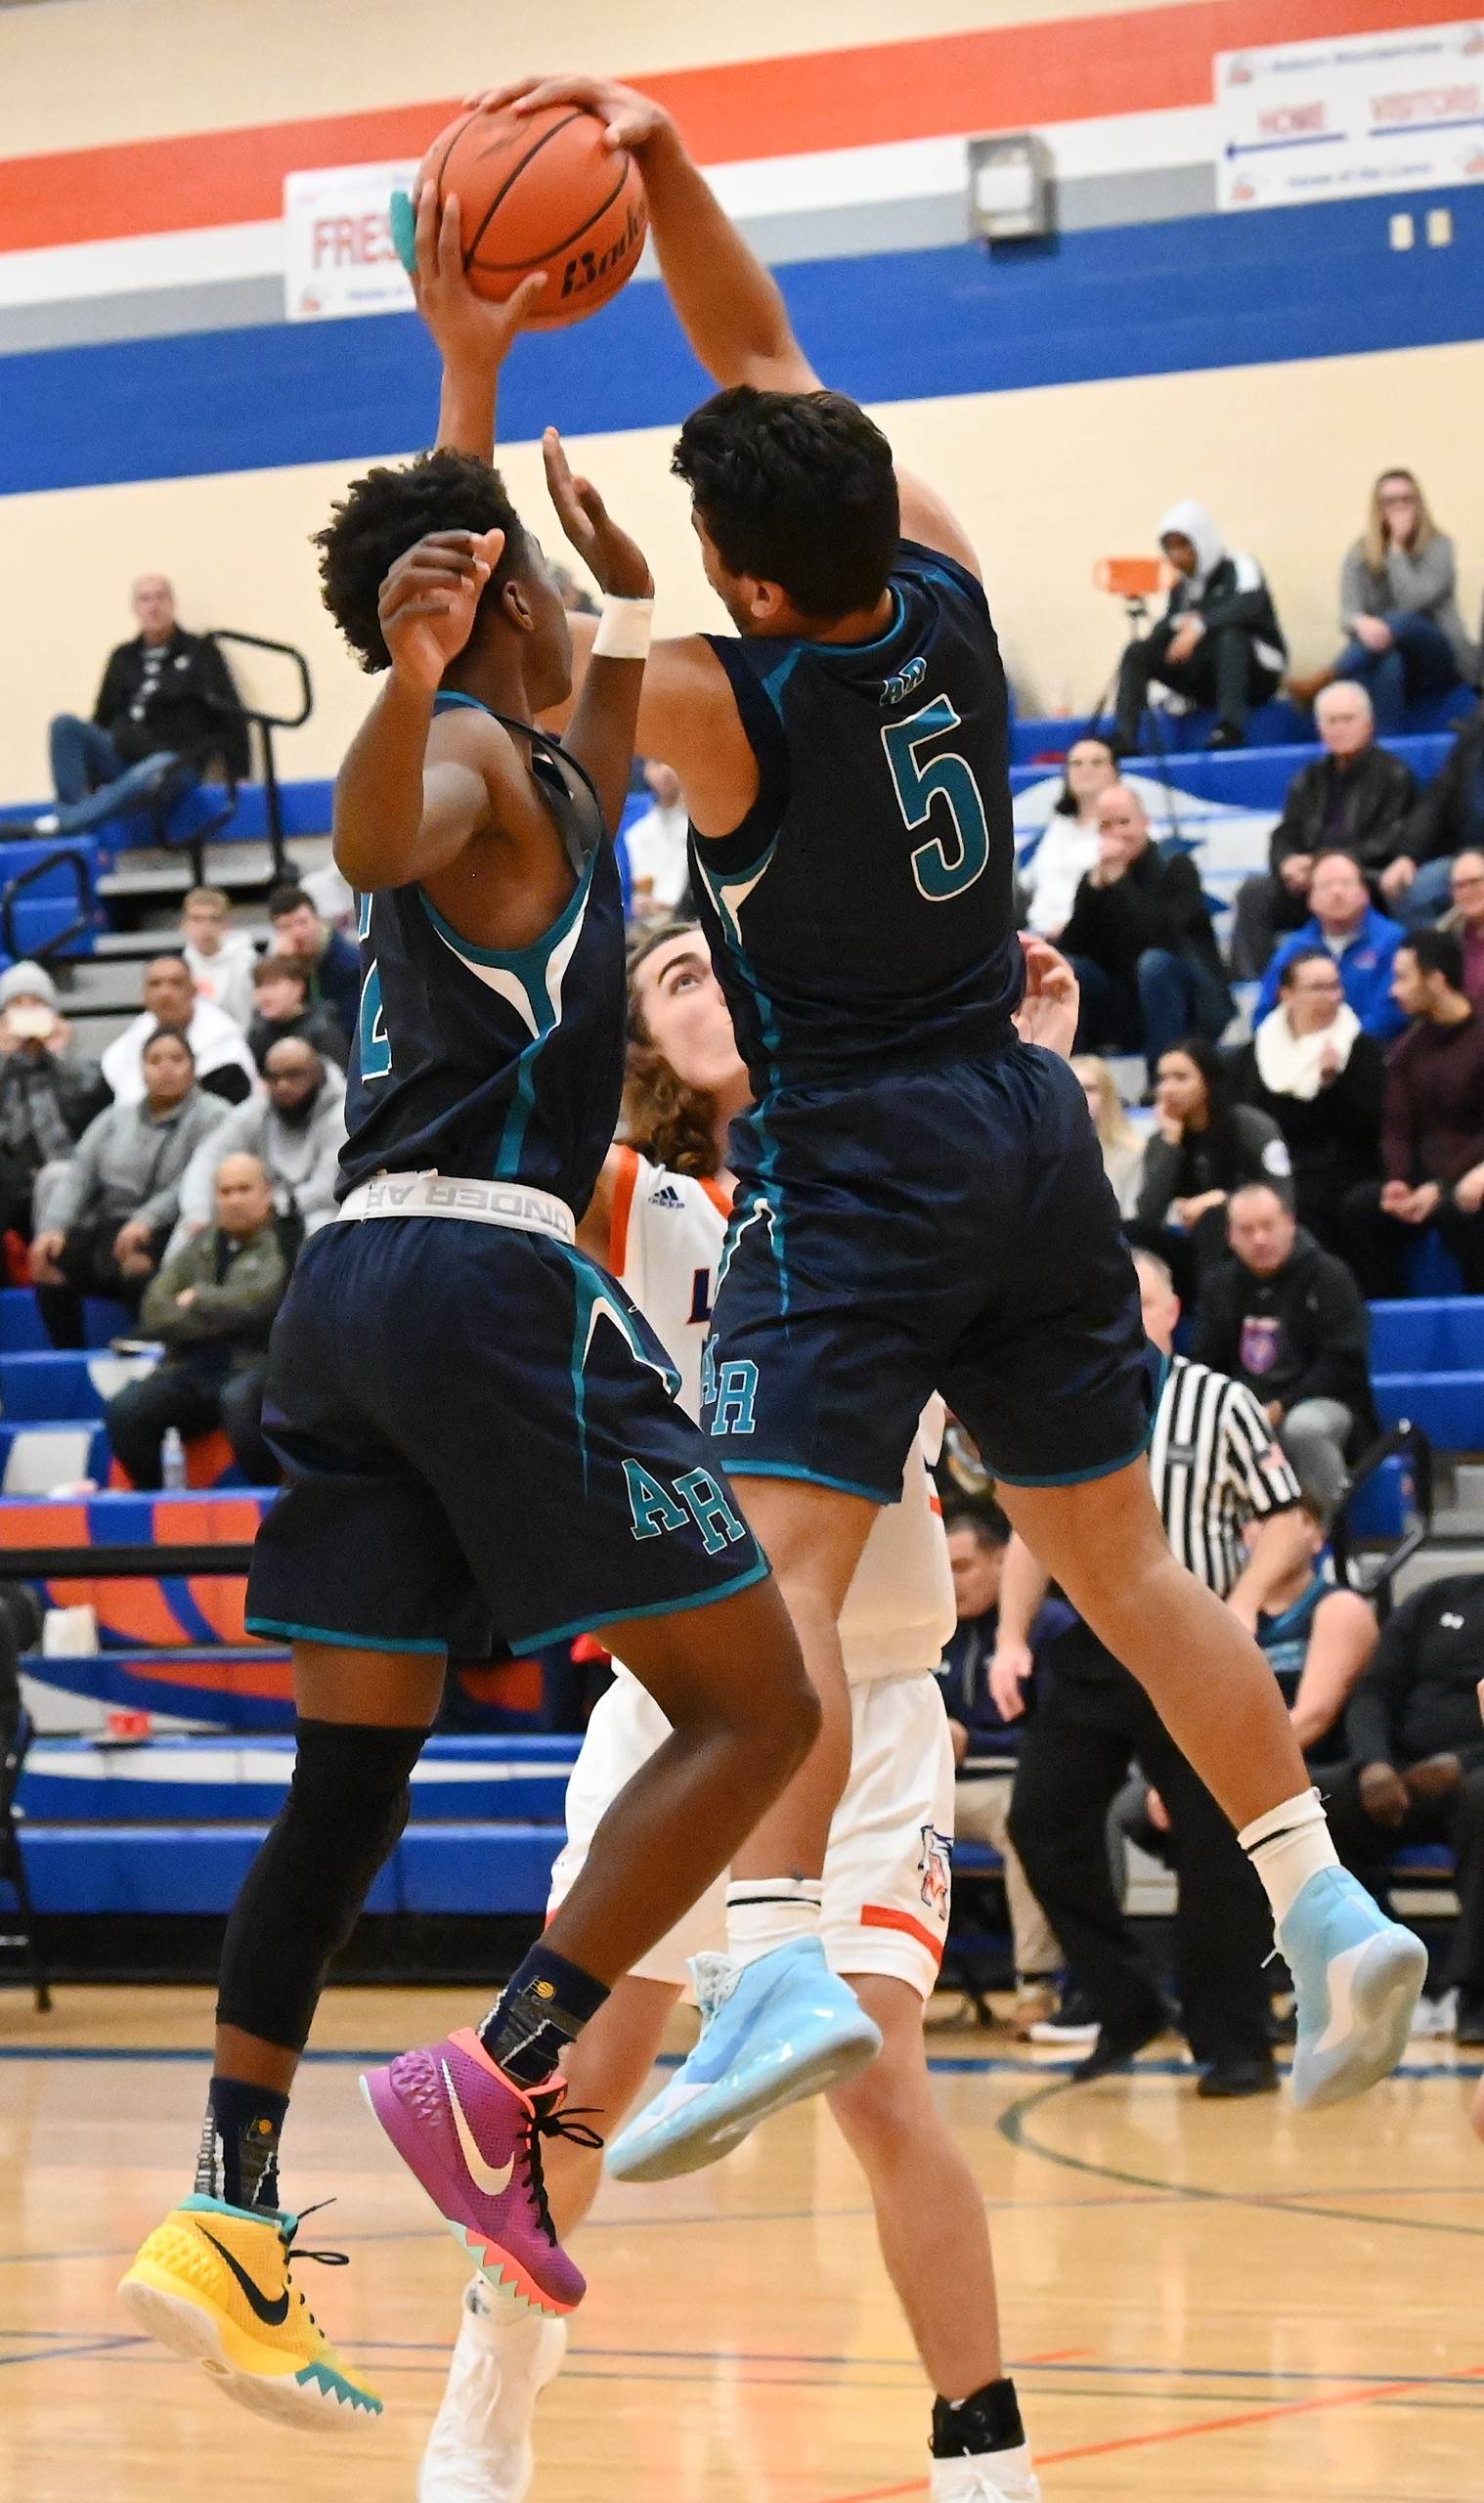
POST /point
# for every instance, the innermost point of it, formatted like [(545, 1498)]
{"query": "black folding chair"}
[(18, 1935)]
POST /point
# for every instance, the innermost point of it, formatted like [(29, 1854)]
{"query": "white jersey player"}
[(658, 1221)]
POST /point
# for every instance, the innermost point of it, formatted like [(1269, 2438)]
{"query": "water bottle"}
[(172, 1460)]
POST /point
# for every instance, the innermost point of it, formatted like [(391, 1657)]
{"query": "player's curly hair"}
[(386, 512), (671, 1124), (796, 487)]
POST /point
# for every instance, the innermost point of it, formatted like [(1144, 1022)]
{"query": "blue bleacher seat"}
[(1436, 1334), (1448, 1406), (481, 1868)]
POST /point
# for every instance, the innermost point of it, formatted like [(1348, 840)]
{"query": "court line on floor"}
[(1011, 2125), (1353, 2397), (940, 2064)]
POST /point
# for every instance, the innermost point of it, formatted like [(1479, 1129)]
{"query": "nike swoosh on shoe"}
[(272, 2312), (493, 2179)]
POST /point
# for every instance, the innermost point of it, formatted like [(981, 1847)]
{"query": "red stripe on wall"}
[(997, 78)]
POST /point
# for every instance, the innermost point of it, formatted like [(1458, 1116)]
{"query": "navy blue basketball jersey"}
[(861, 915), (500, 1066)]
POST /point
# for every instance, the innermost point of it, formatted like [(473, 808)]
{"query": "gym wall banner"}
[(1351, 114), (338, 257)]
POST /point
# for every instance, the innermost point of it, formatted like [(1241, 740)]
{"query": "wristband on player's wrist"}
[(624, 628)]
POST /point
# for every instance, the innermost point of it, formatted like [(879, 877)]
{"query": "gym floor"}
[(1224, 2304)]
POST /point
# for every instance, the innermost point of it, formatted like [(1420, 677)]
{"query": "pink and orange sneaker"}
[(472, 2138)]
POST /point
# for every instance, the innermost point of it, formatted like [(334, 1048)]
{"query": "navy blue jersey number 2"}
[(375, 1050), (939, 870)]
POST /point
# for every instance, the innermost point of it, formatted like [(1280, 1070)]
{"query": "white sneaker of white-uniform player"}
[(479, 2450), (987, 2477)]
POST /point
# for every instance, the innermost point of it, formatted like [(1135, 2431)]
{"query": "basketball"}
[(541, 192)]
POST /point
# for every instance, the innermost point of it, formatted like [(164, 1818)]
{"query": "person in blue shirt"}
[(1362, 941)]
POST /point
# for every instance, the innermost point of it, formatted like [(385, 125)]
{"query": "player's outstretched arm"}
[(731, 308), (600, 731), (473, 335)]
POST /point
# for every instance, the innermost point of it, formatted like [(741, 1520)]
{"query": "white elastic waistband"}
[(510, 1203)]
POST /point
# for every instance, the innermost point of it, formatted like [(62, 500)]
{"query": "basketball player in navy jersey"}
[(453, 1387), (922, 1199)]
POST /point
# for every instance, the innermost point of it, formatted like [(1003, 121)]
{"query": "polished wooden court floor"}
[(1225, 2305)]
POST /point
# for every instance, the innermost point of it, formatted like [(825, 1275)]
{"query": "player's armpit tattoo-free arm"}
[(396, 820), (688, 719)]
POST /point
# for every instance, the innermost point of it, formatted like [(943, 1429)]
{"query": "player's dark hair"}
[(1291, 966), (671, 1124), (386, 512), (796, 487), (1438, 951)]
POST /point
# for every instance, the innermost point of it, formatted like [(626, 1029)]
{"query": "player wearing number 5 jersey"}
[(922, 1204)]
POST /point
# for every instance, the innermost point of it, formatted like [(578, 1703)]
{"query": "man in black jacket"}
[(167, 706), (1449, 816), (1218, 642), (1357, 798), (1417, 1768), (1140, 940), (1286, 1319)]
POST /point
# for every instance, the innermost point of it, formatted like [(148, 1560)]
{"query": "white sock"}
[(764, 1913), (1288, 1846)]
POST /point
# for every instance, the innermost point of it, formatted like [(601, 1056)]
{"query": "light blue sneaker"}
[(1358, 1977), (771, 2032)]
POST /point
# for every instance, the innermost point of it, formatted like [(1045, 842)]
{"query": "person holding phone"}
[(48, 1090)]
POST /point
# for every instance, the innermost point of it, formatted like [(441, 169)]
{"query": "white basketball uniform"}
[(886, 1872)]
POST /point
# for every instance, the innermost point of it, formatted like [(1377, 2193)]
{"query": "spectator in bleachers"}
[(1416, 1764), (1286, 1319), (1121, 1144), (1314, 1071), (284, 1009), (1467, 919), (1068, 847), (1432, 1133), (1449, 816), (167, 708), (48, 1090), (1399, 610), (977, 1543), (219, 1050), (1140, 940), (104, 1217), (298, 929), (1205, 1145), (1219, 640), (296, 1129), (1344, 920), (220, 958), (1357, 798), (211, 1306), (1319, 1640), (658, 866)]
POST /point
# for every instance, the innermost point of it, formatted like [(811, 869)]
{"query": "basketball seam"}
[(616, 192), (514, 175), (455, 137)]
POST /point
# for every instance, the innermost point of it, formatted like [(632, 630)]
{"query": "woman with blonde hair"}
[(1121, 1143), (1399, 609)]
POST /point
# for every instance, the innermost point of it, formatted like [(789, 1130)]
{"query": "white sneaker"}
[(479, 2450), (988, 2477)]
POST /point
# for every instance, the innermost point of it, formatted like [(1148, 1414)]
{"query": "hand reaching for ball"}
[(630, 119), (471, 331), (610, 555)]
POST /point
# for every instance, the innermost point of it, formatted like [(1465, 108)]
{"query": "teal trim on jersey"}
[(447, 696), (529, 1643), (776, 680), (877, 642), (1077, 1476), (342, 1642), (528, 966), (594, 1285), (810, 1477)]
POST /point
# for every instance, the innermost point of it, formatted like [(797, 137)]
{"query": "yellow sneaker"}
[(212, 2283)]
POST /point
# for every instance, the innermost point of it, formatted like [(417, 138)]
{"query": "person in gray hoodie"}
[(1218, 642), (109, 1212), (296, 1131)]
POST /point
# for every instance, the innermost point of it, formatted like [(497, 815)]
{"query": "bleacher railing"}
[(1374, 1579), (265, 723), (61, 940)]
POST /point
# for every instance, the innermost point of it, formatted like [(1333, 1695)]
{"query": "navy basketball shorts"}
[(947, 1229), (479, 1441)]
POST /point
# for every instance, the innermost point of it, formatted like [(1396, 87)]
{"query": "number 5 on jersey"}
[(940, 868)]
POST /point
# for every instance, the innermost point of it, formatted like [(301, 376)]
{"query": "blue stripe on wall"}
[(1262, 287)]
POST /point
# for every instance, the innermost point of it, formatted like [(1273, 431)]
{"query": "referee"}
[(1218, 1475)]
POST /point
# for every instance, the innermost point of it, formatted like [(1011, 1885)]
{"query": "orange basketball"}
[(541, 192)]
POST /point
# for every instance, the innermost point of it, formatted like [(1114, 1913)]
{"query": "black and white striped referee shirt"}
[(1217, 1465)]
